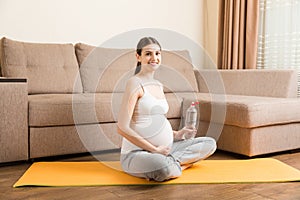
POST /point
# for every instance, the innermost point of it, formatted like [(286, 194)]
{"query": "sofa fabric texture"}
[(250, 111), (71, 109), (13, 122), (49, 68), (256, 141), (97, 65), (268, 83)]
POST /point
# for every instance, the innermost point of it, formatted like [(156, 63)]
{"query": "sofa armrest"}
[(258, 82), (13, 119)]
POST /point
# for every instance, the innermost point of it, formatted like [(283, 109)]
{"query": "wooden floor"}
[(9, 174)]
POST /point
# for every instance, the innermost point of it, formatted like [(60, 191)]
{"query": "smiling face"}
[(150, 57)]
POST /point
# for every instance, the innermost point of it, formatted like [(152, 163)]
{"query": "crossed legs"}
[(158, 167)]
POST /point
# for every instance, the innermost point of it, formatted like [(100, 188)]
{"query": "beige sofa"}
[(73, 93), (262, 110)]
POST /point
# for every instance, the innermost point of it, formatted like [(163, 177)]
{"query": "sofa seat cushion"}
[(68, 109), (86, 108), (249, 111)]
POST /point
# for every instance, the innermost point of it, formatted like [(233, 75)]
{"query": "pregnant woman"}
[(150, 148)]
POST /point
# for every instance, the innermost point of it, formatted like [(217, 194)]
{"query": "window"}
[(279, 35)]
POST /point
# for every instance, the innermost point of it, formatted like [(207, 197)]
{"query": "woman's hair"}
[(141, 44)]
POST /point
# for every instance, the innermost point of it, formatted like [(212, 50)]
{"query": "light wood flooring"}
[(10, 173)]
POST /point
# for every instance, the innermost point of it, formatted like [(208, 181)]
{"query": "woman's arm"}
[(144, 144), (132, 92)]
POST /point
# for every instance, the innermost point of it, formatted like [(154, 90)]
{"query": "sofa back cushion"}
[(107, 69), (102, 68), (49, 68), (252, 82), (176, 72)]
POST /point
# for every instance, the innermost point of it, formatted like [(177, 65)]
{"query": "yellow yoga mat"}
[(207, 171)]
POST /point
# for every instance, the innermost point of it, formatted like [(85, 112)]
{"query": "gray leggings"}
[(154, 166)]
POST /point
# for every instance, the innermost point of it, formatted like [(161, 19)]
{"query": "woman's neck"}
[(147, 76)]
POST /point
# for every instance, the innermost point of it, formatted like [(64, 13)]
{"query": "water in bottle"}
[(191, 119)]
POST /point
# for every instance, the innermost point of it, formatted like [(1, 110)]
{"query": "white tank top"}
[(150, 122)]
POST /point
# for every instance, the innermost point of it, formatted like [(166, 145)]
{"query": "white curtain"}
[(279, 35)]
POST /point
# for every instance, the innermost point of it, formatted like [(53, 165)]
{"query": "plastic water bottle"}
[(191, 116), (190, 119)]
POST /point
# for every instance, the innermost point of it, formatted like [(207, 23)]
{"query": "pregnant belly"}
[(155, 129)]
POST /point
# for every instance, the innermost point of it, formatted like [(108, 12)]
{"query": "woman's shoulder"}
[(134, 80), (133, 83), (159, 83)]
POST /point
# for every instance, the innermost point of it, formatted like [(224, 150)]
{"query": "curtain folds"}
[(237, 34)]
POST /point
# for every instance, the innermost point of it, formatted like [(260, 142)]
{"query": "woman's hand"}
[(185, 133), (189, 133), (162, 150)]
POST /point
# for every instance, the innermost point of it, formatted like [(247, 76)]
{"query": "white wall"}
[(95, 21)]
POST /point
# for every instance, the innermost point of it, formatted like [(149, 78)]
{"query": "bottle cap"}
[(194, 103)]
